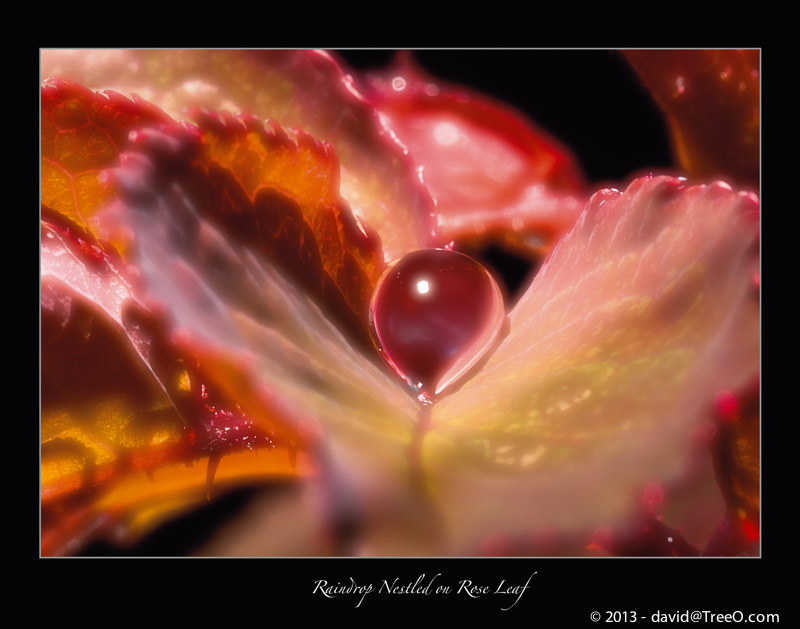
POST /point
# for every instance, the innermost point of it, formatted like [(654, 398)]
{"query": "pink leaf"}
[(490, 171), (607, 379)]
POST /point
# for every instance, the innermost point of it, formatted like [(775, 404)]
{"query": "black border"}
[(563, 591)]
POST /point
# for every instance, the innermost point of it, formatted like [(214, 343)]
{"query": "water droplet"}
[(434, 314), (398, 84), (669, 539), (680, 86)]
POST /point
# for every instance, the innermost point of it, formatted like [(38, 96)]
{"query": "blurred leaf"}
[(493, 173), (737, 463), (82, 134), (259, 332), (281, 197), (712, 102), (269, 192), (604, 382)]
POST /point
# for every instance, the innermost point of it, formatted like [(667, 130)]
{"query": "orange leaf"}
[(121, 402), (83, 133), (275, 194), (711, 100)]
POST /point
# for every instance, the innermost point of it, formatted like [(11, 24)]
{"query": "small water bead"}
[(434, 314)]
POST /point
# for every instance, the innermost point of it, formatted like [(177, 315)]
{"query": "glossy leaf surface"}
[(301, 89), (492, 173), (644, 312)]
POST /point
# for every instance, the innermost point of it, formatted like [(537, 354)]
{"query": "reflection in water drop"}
[(446, 134), (434, 314)]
